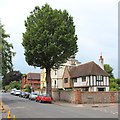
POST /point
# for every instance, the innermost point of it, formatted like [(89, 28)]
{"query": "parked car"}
[(26, 95), (17, 92), (22, 94), (33, 96), (13, 91), (46, 98), (38, 98)]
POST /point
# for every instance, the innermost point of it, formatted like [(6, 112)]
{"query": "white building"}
[(57, 74)]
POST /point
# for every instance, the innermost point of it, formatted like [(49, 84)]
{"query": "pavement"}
[(4, 108), (62, 103)]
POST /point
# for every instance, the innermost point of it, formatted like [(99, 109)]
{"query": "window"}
[(83, 79), (65, 80), (75, 80), (55, 82), (99, 78), (55, 72)]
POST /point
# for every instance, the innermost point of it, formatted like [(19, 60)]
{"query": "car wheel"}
[(41, 101)]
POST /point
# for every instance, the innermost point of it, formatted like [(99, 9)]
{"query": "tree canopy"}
[(49, 39), (12, 76), (109, 70), (114, 84), (6, 53)]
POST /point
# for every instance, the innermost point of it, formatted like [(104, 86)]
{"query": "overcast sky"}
[(96, 24)]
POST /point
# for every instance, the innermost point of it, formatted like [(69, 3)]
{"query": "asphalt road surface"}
[(24, 108)]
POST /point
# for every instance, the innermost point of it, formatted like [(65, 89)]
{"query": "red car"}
[(44, 98), (38, 98)]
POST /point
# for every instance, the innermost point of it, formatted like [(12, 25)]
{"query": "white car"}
[(33, 96), (17, 92), (13, 91)]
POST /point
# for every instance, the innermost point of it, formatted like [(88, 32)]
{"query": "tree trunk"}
[(48, 82)]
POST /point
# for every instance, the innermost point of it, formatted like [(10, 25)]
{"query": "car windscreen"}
[(46, 95), (34, 93)]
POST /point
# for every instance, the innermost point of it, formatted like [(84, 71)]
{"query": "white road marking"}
[(16, 107)]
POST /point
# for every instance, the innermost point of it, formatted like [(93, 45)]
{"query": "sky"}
[(96, 24)]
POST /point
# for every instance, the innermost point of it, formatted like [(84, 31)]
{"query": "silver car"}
[(13, 91), (33, 96)]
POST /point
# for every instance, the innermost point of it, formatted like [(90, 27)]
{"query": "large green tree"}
[(6, 53), (49, 39)]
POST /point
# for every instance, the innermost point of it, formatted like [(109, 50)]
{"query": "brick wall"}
[(77, 97), (99, 97), (67, 96)]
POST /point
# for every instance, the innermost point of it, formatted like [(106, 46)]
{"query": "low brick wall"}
[(99, 97), (78, 97), (67, 96)]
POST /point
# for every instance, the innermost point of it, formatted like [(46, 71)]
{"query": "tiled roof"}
[(34, 76), (90, 68)]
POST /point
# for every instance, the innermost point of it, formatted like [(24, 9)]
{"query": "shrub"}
[(15, 84), (27, 88)]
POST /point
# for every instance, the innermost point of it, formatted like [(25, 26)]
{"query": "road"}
[(24, 108)]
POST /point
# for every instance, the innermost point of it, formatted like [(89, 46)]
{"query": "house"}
[(57, 74), (87, 77), (32, 79)]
